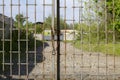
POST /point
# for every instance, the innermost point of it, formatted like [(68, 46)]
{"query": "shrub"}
[(23, 45)]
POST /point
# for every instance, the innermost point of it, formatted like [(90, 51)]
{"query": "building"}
[(65, 35), (7, 21), (69, 34)]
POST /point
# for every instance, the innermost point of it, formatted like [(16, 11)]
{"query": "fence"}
[(92, 54)]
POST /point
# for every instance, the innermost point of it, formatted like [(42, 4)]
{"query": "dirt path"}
[(78, 65)]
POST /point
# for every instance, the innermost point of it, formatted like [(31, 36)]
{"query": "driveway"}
[(77, 65)]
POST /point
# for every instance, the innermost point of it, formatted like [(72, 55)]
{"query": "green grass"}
[(110, 48)]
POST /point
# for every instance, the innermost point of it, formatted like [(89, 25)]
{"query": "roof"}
[(7, 20)]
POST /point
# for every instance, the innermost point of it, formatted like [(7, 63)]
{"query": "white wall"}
[(69, 36), (65, 36)]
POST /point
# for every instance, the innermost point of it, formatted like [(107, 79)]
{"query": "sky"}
[(40, 16)]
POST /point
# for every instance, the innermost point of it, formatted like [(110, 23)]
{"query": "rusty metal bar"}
[(53, 34), (98, 43), (81, 38), (114, 38), (73, 22), (65, 7), (106, 39), (89, 43)]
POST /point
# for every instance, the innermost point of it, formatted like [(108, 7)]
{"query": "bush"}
[(96, 39), (15, 46)]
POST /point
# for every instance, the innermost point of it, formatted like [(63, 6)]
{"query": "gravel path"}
[(77, 65)]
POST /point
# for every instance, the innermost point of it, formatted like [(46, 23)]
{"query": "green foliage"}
[(19, 21), (114, 9), (39, 28), (96, 1), (91, 33), (95, 38), (108, 10), (102, 35), (82, 30), (48, 23)]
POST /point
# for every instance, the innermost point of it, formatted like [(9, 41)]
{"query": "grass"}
[(110, 48)]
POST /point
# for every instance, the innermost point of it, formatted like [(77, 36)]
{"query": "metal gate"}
[(59, 40)]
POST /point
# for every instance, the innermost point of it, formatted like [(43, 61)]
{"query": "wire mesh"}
[(59, 40)]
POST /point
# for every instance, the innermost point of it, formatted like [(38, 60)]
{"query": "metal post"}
[(58, 39)]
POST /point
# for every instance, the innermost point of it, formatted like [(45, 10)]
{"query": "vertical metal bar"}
[(35, 33), (35, 47), (79, 24), (53, 37), (98, 58), (19, 40), (3, 37), (43, 35), (53, 14), (106, 37), (114, 39), (89, 35), (58, 39), (81, 37), (65, 37), (74, 37), (26, 39), (11, 41)]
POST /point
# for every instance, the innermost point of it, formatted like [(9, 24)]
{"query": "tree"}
[(39, 27), (105, 14), (19, 21), (48, 23), (112, 13)]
